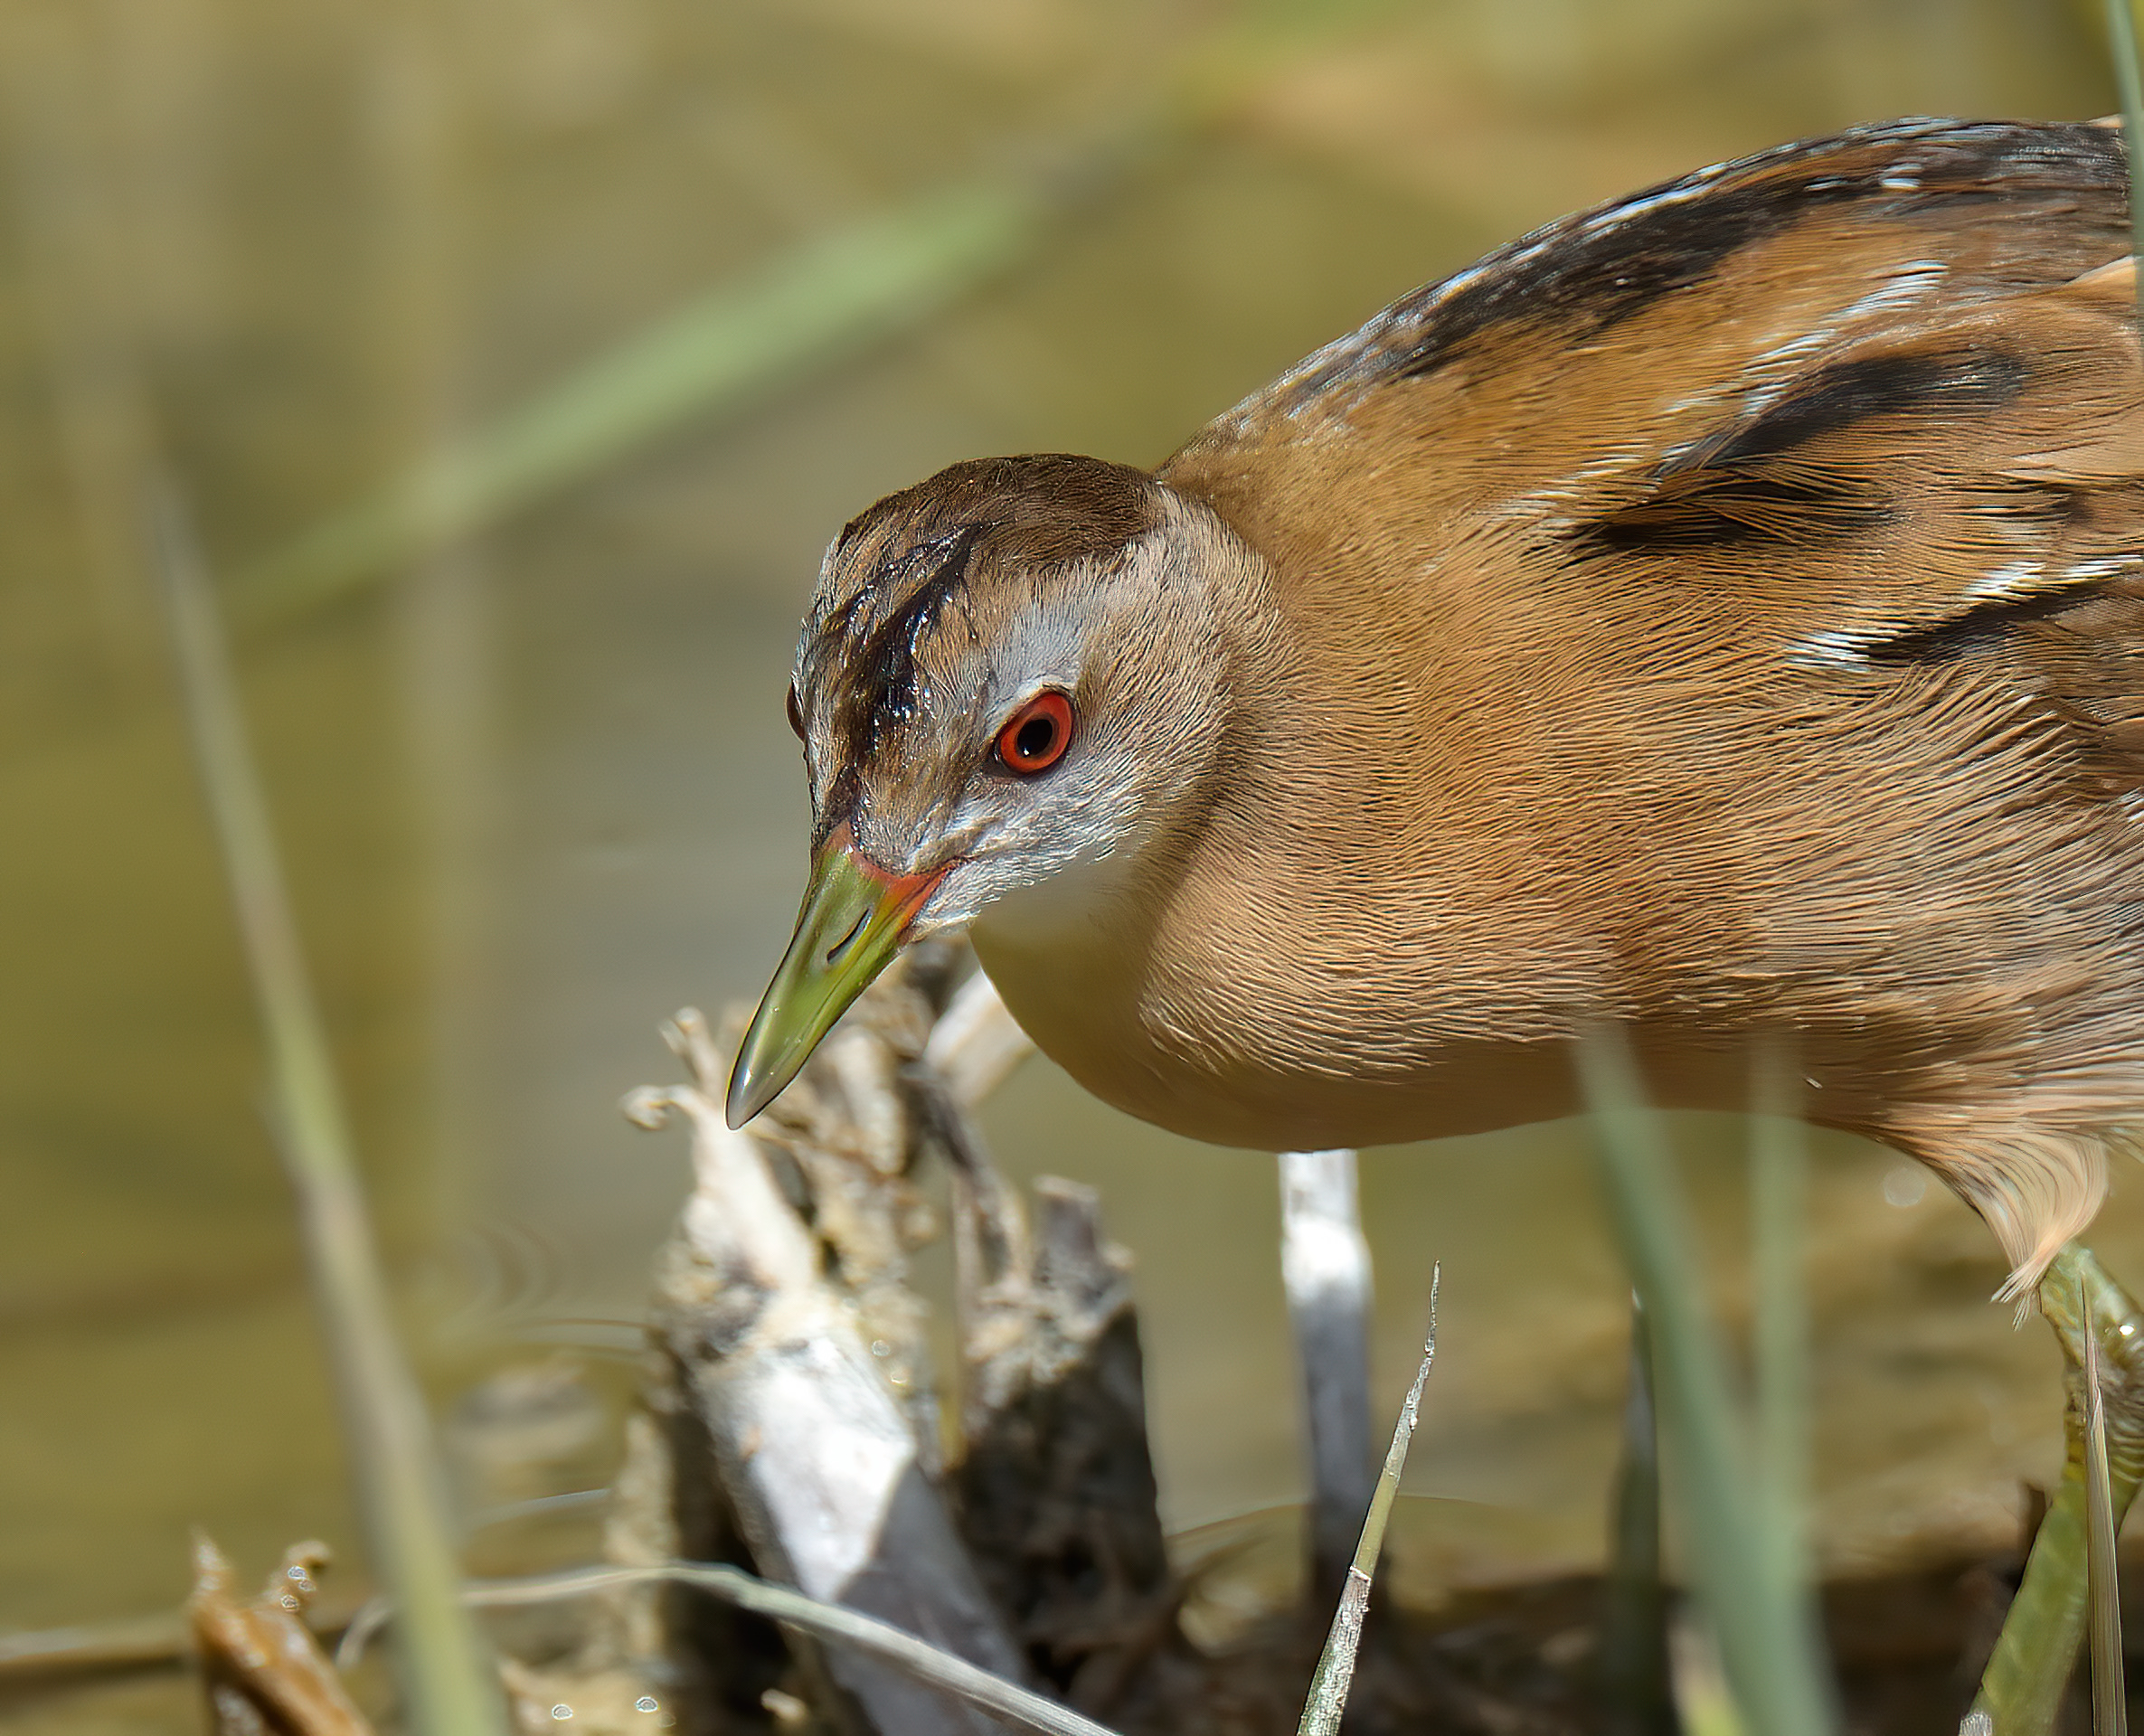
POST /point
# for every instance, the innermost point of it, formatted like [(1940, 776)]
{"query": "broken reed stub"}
[(811, 1448)]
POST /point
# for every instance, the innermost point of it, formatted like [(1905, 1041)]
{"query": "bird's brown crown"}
[(921, 581)]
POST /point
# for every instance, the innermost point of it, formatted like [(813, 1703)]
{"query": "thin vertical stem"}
[(2028, 1673), (1636, 1689), (2110, 1702), (449, 1686), (1768, 1646), (1327, 1703), (1779, 1188)]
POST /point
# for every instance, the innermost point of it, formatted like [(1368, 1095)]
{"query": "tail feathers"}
[(2035, 1187)]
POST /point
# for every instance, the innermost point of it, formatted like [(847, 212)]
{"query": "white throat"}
[(1082, 906)]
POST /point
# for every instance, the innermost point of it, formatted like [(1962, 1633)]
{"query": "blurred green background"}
[(523, 724)]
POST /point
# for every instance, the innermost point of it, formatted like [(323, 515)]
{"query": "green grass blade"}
[(1704, 1706), (2110, 1702), (1637, 1686), (1779, 1188), (1768, 1644), (814, 304), (449, 1686), (1327, 1700), (2026, 1677)]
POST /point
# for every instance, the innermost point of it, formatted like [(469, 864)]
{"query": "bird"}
[(1717, 618)]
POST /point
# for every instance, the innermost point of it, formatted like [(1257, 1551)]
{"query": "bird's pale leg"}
[(1324, 1264), (2022, 1689)]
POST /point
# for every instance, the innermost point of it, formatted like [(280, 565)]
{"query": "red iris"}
[(1034, 737)]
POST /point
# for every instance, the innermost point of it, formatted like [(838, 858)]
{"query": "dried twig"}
[(1054, 1489), (1327, 1701), (260, 1665)]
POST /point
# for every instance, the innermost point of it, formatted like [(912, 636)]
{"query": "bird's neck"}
[(1322, 856), (1384, 832)]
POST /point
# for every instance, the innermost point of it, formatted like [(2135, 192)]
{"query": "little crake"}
[(1720, 615)]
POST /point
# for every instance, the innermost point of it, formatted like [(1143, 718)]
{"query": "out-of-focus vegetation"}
[(534, 782)]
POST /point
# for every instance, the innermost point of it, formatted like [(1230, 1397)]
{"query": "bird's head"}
[(1008, 671)]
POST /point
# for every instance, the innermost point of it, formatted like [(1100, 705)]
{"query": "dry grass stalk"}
[(1327, 1700)]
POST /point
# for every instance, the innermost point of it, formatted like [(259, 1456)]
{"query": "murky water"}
[(537, 792)]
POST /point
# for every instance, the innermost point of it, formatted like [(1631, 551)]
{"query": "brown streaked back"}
[(1642, 326)]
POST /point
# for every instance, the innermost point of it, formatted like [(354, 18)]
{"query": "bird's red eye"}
[(796, 712), (1037, 734)]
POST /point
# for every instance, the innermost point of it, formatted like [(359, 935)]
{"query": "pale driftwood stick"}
[(1325, 1264), (813, 1449)]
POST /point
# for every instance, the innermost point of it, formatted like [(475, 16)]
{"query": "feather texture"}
[(1721, 613)]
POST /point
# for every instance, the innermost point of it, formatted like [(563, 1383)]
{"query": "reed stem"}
[(449, 1686), (1778, 1204), (2109, 1707), (2022, 1688), (1767, 1642), (1637, 1680)]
